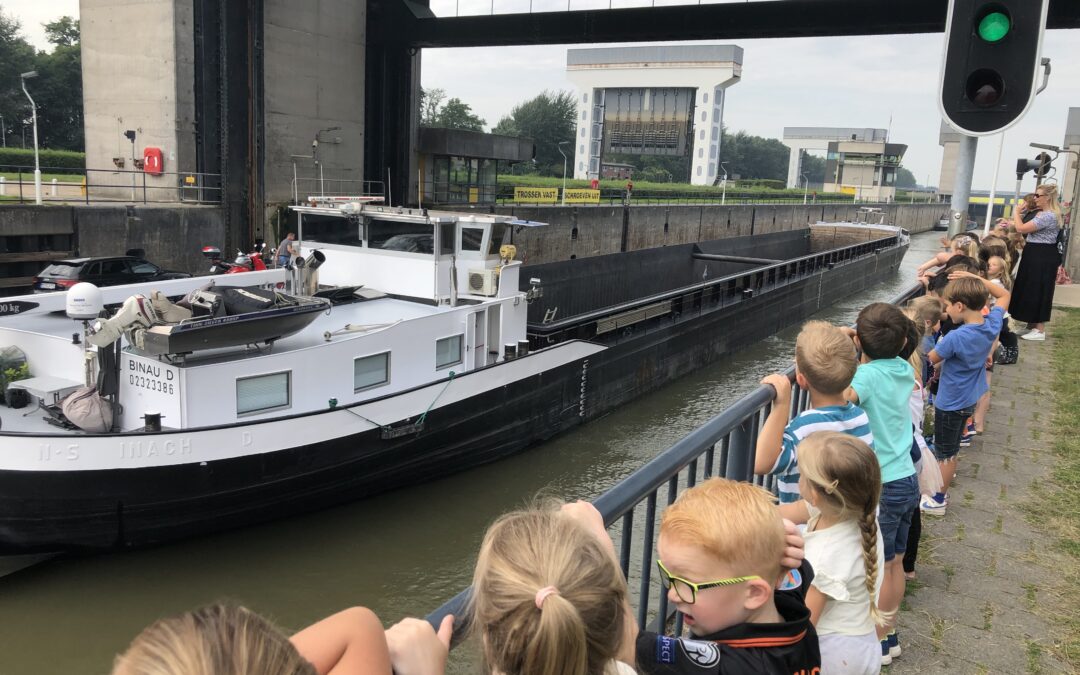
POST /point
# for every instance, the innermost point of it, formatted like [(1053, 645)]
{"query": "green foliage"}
[(430, 102), (9, 375), (754, 156), (75, 162), (814, 168), (57, 90), (548, 119), (457, 114), (904, 178)]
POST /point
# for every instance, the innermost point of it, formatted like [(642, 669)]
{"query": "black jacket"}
[(787, 648)]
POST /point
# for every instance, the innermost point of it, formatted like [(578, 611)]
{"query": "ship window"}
[(447, 352), (498, 231), (446, 238), (471, 238), (262, 393), (371, 371), (410, 237)]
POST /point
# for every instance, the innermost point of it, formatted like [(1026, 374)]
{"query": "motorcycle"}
[(244, 262)]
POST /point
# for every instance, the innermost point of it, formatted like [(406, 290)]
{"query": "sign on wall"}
[(582, 196), (536, 195)]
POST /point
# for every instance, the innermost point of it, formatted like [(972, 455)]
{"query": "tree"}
[(16, 56), (430, 102), (64, 32), (904, 178), (457, 114), (754, 156), (548, 119), (58, 87), (814, 168)]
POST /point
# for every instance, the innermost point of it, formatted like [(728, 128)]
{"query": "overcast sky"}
[(829, 82)]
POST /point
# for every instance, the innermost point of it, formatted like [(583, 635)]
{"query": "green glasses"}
[(688, 590)]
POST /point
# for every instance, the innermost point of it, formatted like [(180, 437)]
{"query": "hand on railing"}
[(415, 647)]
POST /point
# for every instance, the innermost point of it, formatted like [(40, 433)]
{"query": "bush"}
[(770, 183), (52, 161)]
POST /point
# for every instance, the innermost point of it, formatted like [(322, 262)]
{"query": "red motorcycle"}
[(244, 262)]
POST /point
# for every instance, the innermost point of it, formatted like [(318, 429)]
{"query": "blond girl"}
[(962, 244), (841, 483), (226, 639)]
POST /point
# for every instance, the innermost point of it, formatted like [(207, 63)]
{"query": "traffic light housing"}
[(1040, 165), (991, 62)]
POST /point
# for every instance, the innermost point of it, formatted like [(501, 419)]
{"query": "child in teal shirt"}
[(882, 386)]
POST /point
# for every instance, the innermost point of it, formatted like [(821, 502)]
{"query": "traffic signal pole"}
[(965, 169)]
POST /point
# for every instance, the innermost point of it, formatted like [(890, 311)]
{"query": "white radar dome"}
[(84, 302)]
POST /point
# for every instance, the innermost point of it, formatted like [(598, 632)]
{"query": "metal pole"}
[(965, 168), (559, 146), (134, 180), (37, 164), (3, 130), (993, 186)]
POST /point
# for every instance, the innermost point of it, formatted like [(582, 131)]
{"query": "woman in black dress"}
[(1033, 291)]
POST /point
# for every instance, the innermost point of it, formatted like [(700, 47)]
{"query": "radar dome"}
[(84, 301)]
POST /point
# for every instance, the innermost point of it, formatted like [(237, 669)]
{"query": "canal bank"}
[(400, 553)]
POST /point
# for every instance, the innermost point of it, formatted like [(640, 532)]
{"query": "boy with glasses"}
[(719, 549)]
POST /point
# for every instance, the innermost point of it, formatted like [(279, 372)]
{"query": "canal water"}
[(401, 554)]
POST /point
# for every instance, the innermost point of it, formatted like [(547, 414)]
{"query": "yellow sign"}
[(581, 196), (536, 195), (189, 180), (847, 189), (984, 200), (474, 195)]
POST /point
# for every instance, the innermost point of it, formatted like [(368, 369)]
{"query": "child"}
[(232, 639), (719, 554), (962, 354), (824, 365), (882, 386), (841, 483), (962, 244)]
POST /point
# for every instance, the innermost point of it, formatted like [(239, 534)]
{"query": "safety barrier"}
[(62, 184)]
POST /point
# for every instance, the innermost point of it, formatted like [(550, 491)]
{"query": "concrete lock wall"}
[(137, 65), (583, 231), (314, 51)]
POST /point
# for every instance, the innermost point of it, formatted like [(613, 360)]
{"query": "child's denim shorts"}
[(899, 499), (948, 428)]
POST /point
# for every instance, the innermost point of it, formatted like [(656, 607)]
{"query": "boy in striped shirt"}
[(825, 363)]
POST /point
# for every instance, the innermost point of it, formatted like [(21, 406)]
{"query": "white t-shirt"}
[(837, 556)]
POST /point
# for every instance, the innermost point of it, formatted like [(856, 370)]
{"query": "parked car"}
[(101, 271)]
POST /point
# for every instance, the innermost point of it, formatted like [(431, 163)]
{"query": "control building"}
[(860, 162), (949, 140), (1072, 162), (652, 100)]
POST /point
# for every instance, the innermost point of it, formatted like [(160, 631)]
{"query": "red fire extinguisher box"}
[(153, 162)]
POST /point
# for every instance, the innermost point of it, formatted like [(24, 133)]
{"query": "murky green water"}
[(400, 554)]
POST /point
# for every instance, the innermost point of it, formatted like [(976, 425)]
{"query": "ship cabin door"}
[(477, 338), (494, 336)]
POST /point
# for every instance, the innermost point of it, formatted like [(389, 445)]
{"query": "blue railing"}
[(724, 446)]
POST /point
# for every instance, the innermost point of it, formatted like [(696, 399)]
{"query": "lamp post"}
[(562, 143), (723, 193), (3, 130), (805, 187), (37, 165)]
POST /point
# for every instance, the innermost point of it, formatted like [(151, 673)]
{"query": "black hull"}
[(122, 508)]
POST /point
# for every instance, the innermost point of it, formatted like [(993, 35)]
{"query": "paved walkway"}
[(986, 578)]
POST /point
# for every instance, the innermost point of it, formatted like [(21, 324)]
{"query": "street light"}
[(562, 143), (37, 166), (805, 187), (3, 130), (723, 195)]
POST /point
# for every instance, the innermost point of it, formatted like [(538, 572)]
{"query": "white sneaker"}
[(1035, 334), (931, 507)]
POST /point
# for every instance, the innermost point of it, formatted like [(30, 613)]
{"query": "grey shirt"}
[(283, 247)]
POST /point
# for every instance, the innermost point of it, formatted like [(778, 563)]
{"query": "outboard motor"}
[(308, 269)]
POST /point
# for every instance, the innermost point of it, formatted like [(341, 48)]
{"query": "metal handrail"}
[(733, 432), (129, 186)]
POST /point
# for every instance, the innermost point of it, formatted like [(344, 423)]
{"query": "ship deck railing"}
[(724, 447), (712, 294)]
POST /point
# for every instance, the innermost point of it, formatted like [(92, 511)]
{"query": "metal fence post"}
[(740, 451)]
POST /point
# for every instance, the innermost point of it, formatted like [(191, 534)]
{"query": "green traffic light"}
[(994, 26)]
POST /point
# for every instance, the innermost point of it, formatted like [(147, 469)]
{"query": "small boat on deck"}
[(413, 344)]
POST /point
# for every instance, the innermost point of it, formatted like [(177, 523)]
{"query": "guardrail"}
[(724, 446), (64, 184)]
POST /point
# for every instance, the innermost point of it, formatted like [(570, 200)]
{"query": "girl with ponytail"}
[(841, 484), (549, 597)]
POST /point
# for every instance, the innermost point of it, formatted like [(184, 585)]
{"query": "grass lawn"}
[(1055, 508), (45, 177)]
